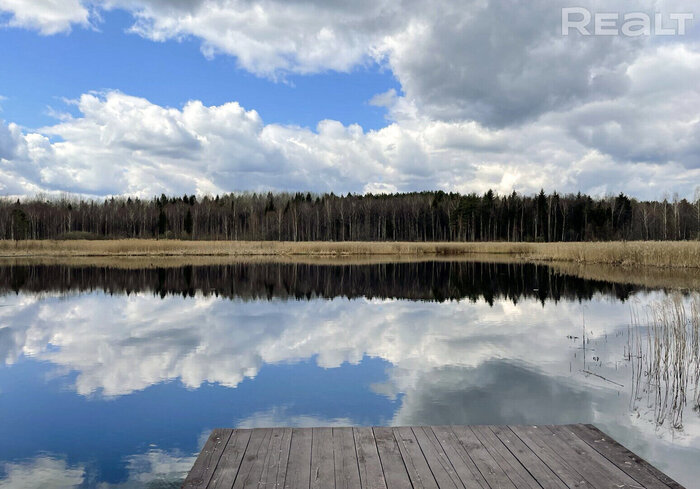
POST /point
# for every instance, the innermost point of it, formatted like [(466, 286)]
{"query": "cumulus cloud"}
[(46, 16), (43, 471), (154, 468), (124, 144), (657, 121), (118, 345), (502, 62), (280, 417), (8, 141), (273, 37)]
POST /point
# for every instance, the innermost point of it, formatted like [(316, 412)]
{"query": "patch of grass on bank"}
[(82, 235)]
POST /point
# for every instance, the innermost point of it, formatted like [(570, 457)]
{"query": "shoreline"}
[(661, 254)]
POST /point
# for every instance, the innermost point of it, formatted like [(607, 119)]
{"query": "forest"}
[(417, 216)]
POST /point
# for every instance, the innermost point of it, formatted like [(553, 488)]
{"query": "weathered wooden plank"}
[(227, 470), (495, 475), (582, 469), (638, 468), (207, 460), (395, 473), (546, 477), (371, 475), (347, 473), (298, 474), (599, 471), (461, 461), (417, 467), (437, 459), (565, 469), (275, 465), (322, 465), (253, 462), (517, 473)]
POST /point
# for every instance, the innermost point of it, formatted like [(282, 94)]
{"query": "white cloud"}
[(118, 345), (46, 16), (154, 468), (379, 188), (280, 417), (8, 141), (270, 37), (501, 62), (123, 144), (43, 471)]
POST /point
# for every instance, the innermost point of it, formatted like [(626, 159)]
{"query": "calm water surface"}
[(114, 378)]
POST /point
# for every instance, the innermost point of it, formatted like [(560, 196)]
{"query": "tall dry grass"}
[(141, 247), (674, 254)]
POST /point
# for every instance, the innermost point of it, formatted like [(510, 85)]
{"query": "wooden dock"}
[(438, 457)]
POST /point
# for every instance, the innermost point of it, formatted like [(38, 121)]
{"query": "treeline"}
[(419, 216), (426, 281)]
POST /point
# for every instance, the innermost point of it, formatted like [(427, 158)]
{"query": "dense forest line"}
[(419, 216), (428, 281)]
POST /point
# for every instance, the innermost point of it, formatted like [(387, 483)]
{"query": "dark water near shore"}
[(113, 377), (424, 281)]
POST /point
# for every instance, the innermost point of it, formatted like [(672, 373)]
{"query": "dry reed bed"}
[(675, 254)]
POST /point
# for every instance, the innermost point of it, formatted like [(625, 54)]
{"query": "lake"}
[(112, 375)]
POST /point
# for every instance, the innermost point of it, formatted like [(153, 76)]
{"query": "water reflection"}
[(431, 280), (152, 469), (152, 372), (42, 471), (120, 344)]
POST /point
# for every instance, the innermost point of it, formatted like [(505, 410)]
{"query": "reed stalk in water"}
[(665, 356)]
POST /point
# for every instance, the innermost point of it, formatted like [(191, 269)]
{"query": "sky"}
[(144, 97)]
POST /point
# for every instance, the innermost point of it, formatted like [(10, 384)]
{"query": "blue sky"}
[(141, 97)]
